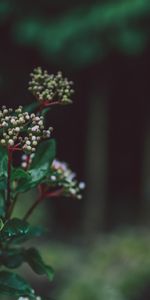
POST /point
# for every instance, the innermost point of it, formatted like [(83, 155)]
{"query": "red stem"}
[(44, 194), (8, 200)]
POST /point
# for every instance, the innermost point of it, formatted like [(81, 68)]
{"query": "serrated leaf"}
[(37, 264), (14, 285)]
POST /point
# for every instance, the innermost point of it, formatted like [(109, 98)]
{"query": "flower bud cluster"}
[(62, 175), (49, 88), (20, 130)]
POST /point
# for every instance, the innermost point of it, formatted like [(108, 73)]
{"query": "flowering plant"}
[(23, 131)]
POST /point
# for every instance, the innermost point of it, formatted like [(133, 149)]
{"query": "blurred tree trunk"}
[(96, 163)]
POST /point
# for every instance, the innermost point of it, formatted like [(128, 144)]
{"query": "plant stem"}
[(43, 195), (12, 206), (32, 208), (8, 200)]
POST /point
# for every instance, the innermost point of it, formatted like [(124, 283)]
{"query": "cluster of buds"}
[(20, 130), (50, 88), (62, 175)]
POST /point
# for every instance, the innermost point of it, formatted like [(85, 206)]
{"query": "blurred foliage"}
[(113, 267), (78, 33)]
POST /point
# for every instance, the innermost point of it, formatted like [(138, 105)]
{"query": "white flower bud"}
[(6, 119), (27, 117), (5, 111), (11, 142), (35, 128), (24, 165), (32, 115), (37, 119), (40, 123), (33, 138), (82, 185), (53, 178), (17, 129), (34, 143), (28, 143), (4, 124), (24, 157), (3, 142), (13, 121), (72, 191), (21, 120), (29, 148), (10, 132)]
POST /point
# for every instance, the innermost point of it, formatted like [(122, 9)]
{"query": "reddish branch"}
[(44, 194), (8, 200)]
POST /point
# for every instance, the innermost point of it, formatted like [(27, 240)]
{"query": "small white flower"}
[(72, 191), (33, 138), (17, 129), (34, 143), (35, 128), (24, 165), (3, 142), (53, 178), (24, 157), (11, 142), (82, 185)]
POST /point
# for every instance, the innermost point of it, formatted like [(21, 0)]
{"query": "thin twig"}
[(44, 194)]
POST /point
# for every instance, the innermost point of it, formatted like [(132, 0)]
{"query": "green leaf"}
[(14, 285), (35, 261), (18, 231), (12, 258), (34, 232), (3, 178), (19, 173), (21, 178), (39, 168), (43, 159), (3, 165), (1, 224), (13, 229), (3, 151), (3, 183), (2, 201)]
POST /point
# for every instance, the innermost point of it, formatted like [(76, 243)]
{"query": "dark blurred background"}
[(104, 47)]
